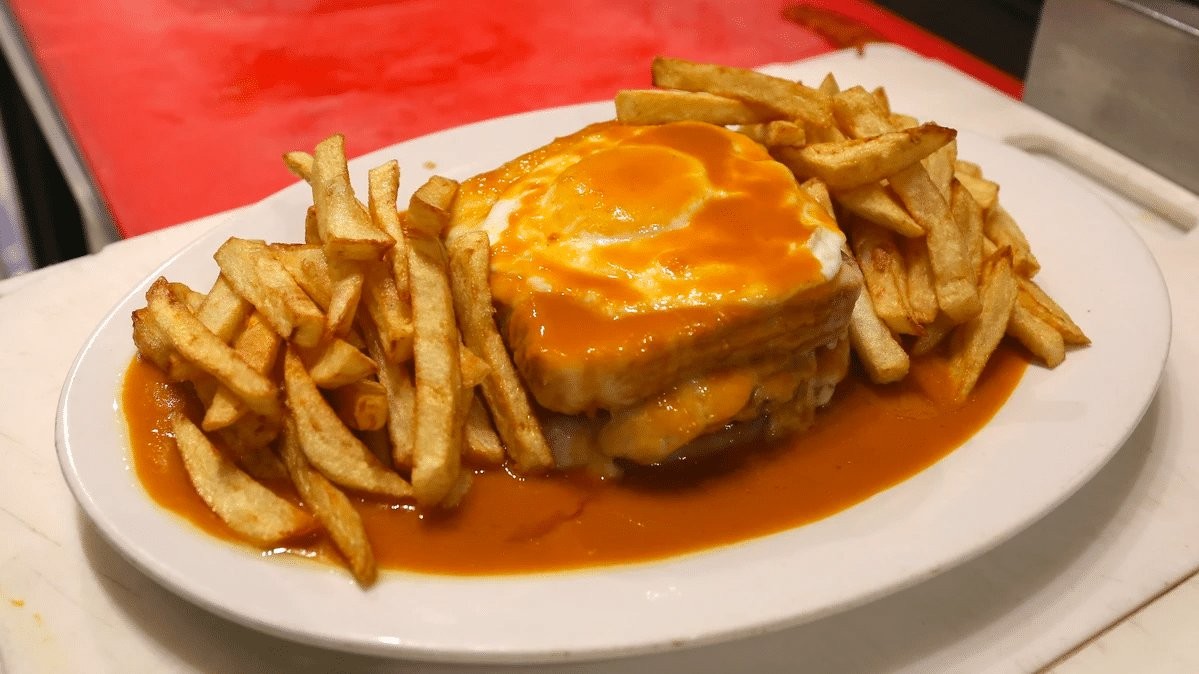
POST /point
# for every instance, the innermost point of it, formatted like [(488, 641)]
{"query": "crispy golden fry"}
[(483, 446), (922, 296), (934, 334), (470, 260), (345, 227), (878, 204), (1001, 228), (329, 445), (940, 167), (192, 298), (1036, 300), (969, 219), (661, 106), (152, 343), (391, 315), (859, 114), (401, 402), (975, 340), (772, 134), (362, 405), (307, 265), (883, 270), (474, 369), (816, 189), (258, 345), (331, 508), (300, 164), (822, 133), (852, 163), (985, 192), (899, 121), (263, 281), (396, 331), (881, 356), (967, 167), (347, 279), (250, 434), (250, 509), (437, 429), (312, 232), (884, 101), (828, 85), (336, 363), (458, 490), (790, 99), (957, 294), (206, 351), (223, 311), (1036, 335)]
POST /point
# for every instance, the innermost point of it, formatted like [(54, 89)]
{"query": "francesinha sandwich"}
[(664, 288)]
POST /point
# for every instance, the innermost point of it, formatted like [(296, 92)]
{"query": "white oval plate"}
[(1055, 432)]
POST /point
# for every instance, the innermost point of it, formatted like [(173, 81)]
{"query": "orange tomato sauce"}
[(866, 440)]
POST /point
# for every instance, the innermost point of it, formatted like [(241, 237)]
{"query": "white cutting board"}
[(1120, 541)]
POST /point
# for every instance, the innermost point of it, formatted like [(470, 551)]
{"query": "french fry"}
[(881, 356), (878, 204), (437, 428), (900, 121), (974, 341), (223, 311), (391, 315), (192, 298), (967, 167), (969, 219), (772, 134), (474, 369), (206, 351), (347, 279), (790, 99), (470, 261), (940, 167), (1036, 300), (956, 292), (828, 85), (884, 101), (985, 192), (249, 435), (336, 363), (883, 269), (299, 163), (361, 405), (922, 296), (852, 163), (331, 508), (258, 345), (401, 402), (345, 227), (934, 333), (1001, 228), (262, 280), (661, 106), (483, 446), (152, 343), (384, 183), (1039, 337), (328, 444), (250, 509), (860, 114)]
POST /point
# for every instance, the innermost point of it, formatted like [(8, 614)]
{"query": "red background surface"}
[(182, 108)]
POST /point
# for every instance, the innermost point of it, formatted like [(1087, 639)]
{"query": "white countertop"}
[(70, 602)]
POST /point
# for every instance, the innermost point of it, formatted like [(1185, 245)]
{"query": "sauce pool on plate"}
[(866, 440)]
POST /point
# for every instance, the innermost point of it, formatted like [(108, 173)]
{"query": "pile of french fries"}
[(363, 361), (941, 258)]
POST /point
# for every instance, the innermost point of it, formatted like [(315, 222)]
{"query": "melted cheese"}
[(654, 227)]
